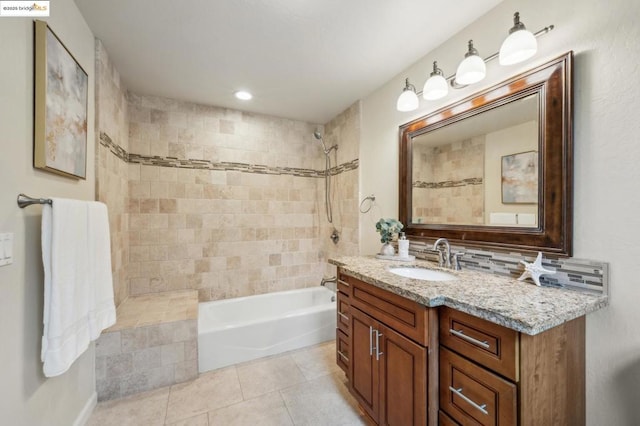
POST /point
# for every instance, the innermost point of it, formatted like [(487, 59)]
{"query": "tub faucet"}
[(326, 281)]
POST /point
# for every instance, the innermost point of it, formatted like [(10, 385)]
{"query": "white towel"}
[(77, 274)]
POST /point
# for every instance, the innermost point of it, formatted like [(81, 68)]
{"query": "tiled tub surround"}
[(112, 183), (343, 130), (518, 305), (153, 344), (222, 201)]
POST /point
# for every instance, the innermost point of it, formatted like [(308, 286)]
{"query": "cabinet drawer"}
[(445, 420), (343, 284), (342, 351), (342, 313), (491, 345), (471, 394), (403, 315)]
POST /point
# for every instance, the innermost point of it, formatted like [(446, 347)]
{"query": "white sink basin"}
[(422, 274)]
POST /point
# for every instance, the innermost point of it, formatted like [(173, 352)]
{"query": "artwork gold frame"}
[(61, 107), (520, 178)]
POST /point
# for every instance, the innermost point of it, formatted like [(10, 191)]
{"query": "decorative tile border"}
[(573, 273), (148, 160), (116, 149), (447, 183)]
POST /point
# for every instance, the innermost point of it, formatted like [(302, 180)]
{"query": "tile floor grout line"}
[(166, 409), (286, 407)]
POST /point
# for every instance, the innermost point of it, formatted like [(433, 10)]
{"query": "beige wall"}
[(27, 398), (112, 182), (603, 36), (512, 140)]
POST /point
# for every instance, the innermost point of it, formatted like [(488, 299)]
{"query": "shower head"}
[(318, 135)]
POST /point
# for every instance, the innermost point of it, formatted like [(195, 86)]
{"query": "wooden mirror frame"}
[(553, 83)]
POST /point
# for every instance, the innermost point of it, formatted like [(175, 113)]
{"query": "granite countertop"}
[(521, 306)]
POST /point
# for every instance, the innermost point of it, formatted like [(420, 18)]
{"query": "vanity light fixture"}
[(436, 87), (472, 69), (243, 95), (519, 46), (408, 99)]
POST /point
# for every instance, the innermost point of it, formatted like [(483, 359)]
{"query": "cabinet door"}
[(363, 367), (403, 379)]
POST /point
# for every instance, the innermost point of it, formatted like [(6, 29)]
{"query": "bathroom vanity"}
[(480, 349)]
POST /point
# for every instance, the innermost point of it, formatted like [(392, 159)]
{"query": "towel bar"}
[(25, 200)]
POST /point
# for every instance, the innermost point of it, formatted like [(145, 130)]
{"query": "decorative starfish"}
[(535, 270)]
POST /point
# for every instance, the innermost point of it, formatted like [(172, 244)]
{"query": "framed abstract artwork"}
[(520, 178), (60, 116)]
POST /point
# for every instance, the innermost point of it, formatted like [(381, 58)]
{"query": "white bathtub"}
[(246, 328)]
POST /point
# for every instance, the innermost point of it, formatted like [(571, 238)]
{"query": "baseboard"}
[(83, 416)]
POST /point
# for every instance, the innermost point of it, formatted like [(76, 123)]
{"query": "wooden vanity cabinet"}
[(492, 375), (388, 369), (411, 365)]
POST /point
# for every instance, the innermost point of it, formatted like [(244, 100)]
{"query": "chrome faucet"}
[(326, 281), (444, 259), (447, 259)]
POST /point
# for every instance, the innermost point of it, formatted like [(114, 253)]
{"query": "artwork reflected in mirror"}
[(480, 171), (494, 169)]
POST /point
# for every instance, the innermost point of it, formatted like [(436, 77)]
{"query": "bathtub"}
[(237, 330)]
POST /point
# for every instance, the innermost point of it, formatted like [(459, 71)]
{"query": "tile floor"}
[(303, 387)]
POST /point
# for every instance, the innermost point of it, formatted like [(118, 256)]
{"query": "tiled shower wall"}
[(225, 227), (111, 171), (343, 130)]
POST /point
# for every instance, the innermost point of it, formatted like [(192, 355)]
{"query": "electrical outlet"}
[(6, 249)]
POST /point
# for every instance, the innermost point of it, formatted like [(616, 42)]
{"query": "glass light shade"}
[(471, 70), (435, 87), (518, 47), (407, 101)]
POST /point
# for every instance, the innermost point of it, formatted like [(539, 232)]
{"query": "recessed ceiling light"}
[(243, 95)]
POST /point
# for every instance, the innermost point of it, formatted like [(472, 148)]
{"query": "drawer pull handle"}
[(370, 341), (461, 395), (344, 283), (343, 316), (343, 356), (378, 353), (477, 342)]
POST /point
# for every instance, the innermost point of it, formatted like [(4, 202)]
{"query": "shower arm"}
[(332, 148)]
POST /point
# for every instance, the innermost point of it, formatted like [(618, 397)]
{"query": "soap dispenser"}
[(403, 246)]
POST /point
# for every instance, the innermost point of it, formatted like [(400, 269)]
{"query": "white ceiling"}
[(302, 59)]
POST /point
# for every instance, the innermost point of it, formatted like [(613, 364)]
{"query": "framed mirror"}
[(494, 169)]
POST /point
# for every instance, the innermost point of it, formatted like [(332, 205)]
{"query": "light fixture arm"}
[(517, 25), (452, 78), (408, 86), (436, 70), (472, 50)]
